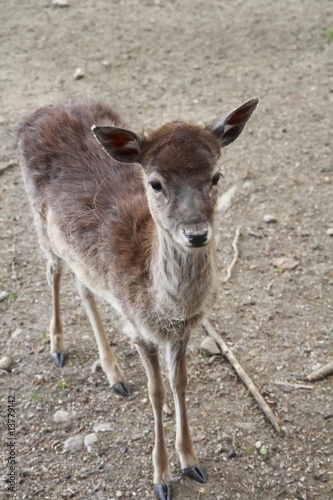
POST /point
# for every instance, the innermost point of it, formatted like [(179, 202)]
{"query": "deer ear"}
[(122, 145), (228, 128)]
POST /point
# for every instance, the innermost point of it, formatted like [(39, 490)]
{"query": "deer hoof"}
[(59, 358), (195, 473), (122, 389), (163, 491)]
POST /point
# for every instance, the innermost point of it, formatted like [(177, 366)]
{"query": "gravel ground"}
[(155, 61)]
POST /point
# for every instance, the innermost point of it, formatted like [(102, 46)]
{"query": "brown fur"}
[(100, 207), (128, 242)]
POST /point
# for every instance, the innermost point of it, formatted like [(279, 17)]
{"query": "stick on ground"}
[(324, 371), (295, 386), (236, 254), (242, 374)]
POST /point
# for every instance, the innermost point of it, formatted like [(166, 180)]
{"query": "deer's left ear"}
[(228, 128), (121, 144)]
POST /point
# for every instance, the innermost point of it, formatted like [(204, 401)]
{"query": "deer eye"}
[(216, 178), (156, 186)]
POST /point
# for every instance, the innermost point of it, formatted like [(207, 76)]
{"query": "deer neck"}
[(182, 281)]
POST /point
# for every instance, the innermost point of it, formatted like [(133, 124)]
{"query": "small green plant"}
[(45, 338), (328, 35), (263, 451), (62, 384), (13, 296), (36, 398)]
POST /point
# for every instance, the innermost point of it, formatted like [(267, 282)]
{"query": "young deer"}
[(134, 221)]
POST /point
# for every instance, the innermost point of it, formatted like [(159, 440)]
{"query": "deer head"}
[(179, 162)]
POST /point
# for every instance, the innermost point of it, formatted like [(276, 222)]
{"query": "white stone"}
[(269, 219), (3, 296), (78, 74), (16, 333), (329, 231), (61, 417), (103, 426), (74, 443), (5, 362), (89, 441), (60, 3), (209, 346)]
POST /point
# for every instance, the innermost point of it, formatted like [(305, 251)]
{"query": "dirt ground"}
[(156, 61)]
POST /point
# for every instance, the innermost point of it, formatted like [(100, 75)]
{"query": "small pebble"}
[(329, 231), (78, 74), (103, 426), (89, 441), (16, 333), (209, 346), (61, 417), (74, 443), (258, 445), (269, 219), (3, 296), (226, 438), (136, 437), (60, 3), (231, 454), (5, 362)]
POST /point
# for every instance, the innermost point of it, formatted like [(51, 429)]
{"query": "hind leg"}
[(53, 274), (56, 329), (109, 361)]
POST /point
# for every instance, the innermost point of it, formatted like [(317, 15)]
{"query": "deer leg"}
[(108, 360), (176, 358), (156, 390), (53, 274)]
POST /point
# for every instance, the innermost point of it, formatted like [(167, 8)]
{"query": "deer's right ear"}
[(121, 144)]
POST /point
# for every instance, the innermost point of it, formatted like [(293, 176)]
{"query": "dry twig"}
[(292, 384), (242, 374), (322, 372), (236, 254)]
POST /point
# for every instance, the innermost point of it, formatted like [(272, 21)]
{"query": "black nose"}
[(197, 238)]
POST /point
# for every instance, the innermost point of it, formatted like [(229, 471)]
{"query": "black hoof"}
[(122, 389), (163, 491), (59, 358), (195, 473)]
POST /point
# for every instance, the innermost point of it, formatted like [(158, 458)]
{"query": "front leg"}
[(176, 358), (108, 360), (156, 390)]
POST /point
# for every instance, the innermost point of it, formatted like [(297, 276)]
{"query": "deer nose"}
[(197, 236)]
